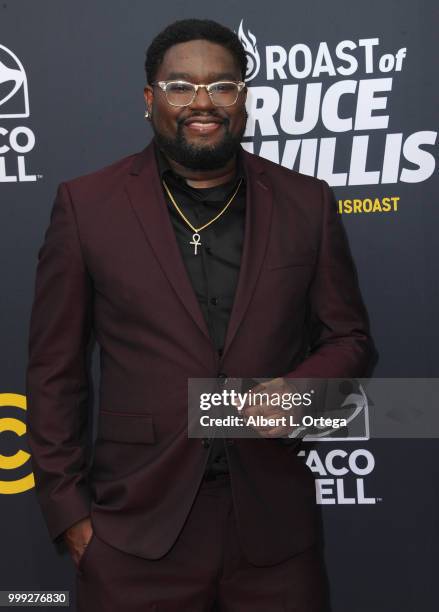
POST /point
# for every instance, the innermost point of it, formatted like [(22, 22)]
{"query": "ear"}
[(148, 94)]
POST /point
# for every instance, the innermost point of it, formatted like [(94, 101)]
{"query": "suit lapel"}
[(259, 205), (145, 193)]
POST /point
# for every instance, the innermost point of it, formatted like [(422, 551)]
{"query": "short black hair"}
[(186, 30)]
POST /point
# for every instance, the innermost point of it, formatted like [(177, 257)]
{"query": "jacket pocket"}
[(126, 427)]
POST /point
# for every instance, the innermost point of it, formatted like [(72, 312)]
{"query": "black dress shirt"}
[(214, 270)]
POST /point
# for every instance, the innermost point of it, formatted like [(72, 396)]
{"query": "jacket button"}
[(222, 375), (205, 442), (230, 442)]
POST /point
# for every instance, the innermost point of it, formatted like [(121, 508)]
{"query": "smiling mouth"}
[(203, 126)]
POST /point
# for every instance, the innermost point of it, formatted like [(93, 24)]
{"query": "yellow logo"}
[(12, 462)]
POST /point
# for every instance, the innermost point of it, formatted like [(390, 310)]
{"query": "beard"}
[(199, 157)]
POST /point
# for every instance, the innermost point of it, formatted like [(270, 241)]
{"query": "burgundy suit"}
[(110, 265)]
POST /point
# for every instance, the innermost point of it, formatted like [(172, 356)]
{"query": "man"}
[(191, 259)]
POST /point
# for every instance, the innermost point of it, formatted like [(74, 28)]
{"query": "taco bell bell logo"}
[(14, 94), (16, 141)]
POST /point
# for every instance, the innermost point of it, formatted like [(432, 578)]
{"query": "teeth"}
[(198, 125)]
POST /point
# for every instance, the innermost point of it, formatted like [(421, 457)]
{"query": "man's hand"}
[(278, 386), (77, 538)]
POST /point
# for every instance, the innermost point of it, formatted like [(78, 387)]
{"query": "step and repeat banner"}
[(343, 91)]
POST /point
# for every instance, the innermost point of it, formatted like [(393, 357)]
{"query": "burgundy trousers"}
[(205, 571)]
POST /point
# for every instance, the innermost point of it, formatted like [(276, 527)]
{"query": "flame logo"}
[(248, 41)]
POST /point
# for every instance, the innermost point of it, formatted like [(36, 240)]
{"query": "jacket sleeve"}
[(57, 381), (340, 345)]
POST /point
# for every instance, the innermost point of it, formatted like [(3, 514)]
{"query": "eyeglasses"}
[(182, 93)]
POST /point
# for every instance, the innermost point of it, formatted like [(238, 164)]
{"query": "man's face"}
[(199, 136)]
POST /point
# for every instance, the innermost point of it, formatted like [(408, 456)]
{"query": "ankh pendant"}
[(196, 242)]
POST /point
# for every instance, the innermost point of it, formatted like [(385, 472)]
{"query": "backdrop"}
[(345, 91)]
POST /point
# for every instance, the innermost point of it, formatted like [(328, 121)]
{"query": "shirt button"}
[(214, 301)]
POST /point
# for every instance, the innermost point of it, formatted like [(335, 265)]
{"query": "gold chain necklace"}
[(196, 236)]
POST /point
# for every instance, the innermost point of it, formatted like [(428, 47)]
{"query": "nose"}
[(202, 99)]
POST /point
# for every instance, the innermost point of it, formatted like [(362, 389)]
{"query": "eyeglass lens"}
[(221, 94)]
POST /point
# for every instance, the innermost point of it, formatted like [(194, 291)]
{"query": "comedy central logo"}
[(14, 461), (14, 93)]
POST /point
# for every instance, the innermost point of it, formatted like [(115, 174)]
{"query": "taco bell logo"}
[(14, 94), (16, 141), (353, 407), (248, 41), (341, 475)]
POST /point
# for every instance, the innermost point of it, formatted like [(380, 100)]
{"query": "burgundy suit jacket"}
[(110, 266)]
